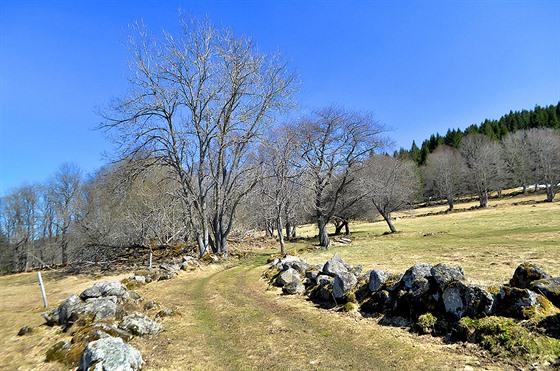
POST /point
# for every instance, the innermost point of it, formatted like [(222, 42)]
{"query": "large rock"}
[(69, 309), (287, 276), (549, 287), (294, 287), (343, 283), (110, 354), (335, 266), (295, 263), (416, 276), (444, 274), (140, 325), (377, 278), (324, 289), (454, 299), (103, 308), (479, 302), (100, 289), (522, 303), (527, 273)]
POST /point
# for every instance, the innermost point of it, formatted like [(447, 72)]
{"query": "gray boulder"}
[(335, 266), (110, 354), (548, 287), (295, 263), (454, 299), (99, 289), (103, 308), (526, 273), (324, 289), (294, 287), (444, 274), (140, 325), (517, 303), (343, 283), (69, 309), (479, 302), (287, 277), (377, 278), (416, 276)]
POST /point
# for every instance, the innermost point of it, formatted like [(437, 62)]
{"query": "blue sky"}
[(420, 66)]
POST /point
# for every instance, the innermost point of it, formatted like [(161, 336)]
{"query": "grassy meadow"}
[(488, 243), (230, 319)]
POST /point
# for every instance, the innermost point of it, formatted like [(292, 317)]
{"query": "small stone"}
[(25, 330)]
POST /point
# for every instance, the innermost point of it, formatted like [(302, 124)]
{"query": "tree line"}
[(204, 154), (539, 117)]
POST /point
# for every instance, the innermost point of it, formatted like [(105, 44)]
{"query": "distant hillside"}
[(495, 129)]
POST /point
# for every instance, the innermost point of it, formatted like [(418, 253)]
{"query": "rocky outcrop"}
[(99, 324), (438, 292)]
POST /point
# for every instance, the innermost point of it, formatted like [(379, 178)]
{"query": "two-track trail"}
[(230, 320)]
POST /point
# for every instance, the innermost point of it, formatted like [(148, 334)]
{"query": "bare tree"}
[(199, 103), (444, 173), (63, 193), (484, 164), (333, 142), (391, 183), (281, 179), (544, 152), (515, 151)]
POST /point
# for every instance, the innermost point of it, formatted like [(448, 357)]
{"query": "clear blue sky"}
[(420, 66)]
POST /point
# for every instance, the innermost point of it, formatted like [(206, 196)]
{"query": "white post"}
[(42, 289), (150, 267)]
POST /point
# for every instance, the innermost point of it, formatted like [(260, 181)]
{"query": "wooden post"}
[(42, 289)]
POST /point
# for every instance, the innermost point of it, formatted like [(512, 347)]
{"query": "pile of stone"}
[(100, 320), (440, 290)]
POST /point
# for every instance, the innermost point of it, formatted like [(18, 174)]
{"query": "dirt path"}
[(229, 320)]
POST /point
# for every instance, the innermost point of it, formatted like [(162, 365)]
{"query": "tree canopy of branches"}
[(391, 184), (484, 164), (332, 143), (444, 173), (198, 103)]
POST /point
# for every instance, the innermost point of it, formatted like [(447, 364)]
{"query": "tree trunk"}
[(323, 236), (293, 233), (347, 228), (269, 229), (288, 229), (387, 217), (549, 192), (451, 203), (280, 234), (484, 199)]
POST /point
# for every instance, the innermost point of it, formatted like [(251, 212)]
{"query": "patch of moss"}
[(66, 353), (504, 337), (349, 307), (425, 323)]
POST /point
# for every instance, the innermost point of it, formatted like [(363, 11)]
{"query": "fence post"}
[(150, 266), (42, 289)]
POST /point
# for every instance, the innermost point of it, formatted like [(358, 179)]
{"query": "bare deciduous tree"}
[(444, 173), (391, 184), (333, 142), (544, 154), (515, 151), (199, 103), (484, 164)]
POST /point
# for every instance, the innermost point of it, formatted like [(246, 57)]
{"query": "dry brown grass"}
[(21, 305)]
